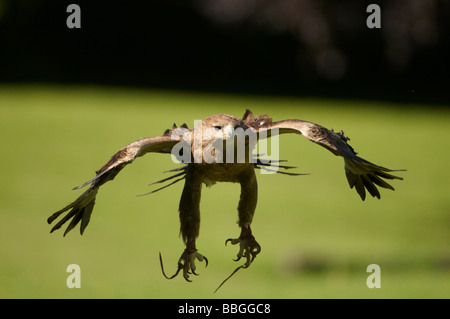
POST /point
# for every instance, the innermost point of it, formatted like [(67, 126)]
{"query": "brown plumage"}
[(216, 166)]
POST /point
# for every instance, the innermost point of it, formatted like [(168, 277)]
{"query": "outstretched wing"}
[(360, 173), (81, 208)]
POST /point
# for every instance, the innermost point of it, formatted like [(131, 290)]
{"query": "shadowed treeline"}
[(295, 47)]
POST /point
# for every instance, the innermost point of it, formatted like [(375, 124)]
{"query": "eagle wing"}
[(360, 173), (81, 208)]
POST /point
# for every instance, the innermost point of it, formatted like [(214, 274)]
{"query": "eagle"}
[(220, 149)]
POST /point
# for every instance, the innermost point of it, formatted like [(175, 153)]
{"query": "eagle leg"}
[(248, 246)]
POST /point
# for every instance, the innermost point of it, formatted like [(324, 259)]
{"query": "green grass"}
[(314, 245)]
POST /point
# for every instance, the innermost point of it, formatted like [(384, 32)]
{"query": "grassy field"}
[(313, 245)]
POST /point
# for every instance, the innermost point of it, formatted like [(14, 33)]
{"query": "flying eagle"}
[(210, 137)]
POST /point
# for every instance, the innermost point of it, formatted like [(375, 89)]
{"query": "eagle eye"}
[(217, 127)]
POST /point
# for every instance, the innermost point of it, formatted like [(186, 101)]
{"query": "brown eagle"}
[(205, 151)]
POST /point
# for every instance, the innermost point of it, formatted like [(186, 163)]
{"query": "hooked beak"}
[(230, 131)]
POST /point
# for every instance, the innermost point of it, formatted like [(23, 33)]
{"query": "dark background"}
[(285, 47)]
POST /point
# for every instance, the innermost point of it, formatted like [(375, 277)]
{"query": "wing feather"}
[(81, 209), (360, 173)]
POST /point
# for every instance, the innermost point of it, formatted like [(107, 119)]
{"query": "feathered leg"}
[(190, 223), (248, 246)]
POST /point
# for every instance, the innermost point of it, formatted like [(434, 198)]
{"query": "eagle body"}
[(221, 172), (220, 149)]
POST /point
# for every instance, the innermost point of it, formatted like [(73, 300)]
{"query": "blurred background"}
[(295, 47), (70, 98)]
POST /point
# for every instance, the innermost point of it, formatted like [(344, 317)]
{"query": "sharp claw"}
[(174, 275), (162, 269), (186, 277), (185, 263), (233, 241), (186, 274), (249, 248)]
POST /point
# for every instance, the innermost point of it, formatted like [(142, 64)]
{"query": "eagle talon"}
[(248, 247), (186, 263)]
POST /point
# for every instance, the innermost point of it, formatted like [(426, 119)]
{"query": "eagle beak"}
[(231, 131), (228, 132)]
